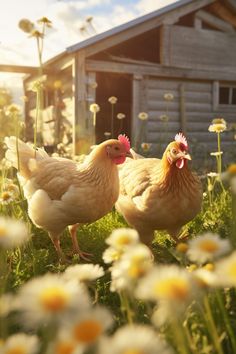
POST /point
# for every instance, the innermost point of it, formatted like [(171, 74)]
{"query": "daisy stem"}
[(219, 157), (112, 121), (211, 326), (36, 119), (179, 336), (226, 320), (125, 307)]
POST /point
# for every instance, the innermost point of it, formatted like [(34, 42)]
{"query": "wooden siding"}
[(198, 49), (198, 108)]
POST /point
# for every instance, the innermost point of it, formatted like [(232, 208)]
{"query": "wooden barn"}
[(177, 64)]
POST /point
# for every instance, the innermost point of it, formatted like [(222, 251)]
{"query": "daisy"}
[(122, 238), (50, 298), (13, 233), (112, 100), (90, 325), (64, 344), (120, 116), (84, 272), (132, 266), (171, 284), (143, 116), (94, 108), (6, 197), (20, 344), (134, 339), (205, 278), (111, 255), (218, 125), (168, 96), (225, 270), (207, 247)]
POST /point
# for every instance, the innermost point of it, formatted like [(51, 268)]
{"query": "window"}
[(227, 95)]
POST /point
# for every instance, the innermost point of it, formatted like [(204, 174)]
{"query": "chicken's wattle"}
[(180, 163), (119, 160)]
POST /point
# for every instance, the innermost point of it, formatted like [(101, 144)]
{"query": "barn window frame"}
[(224, 99)]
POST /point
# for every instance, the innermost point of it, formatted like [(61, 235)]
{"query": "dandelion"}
[(164, 118), (112, 100), (168, 96), (143, 116), (21, 344), (49, 299), (84, 272), (225, 270), (94, 108), (122, 238), (134, 339), (90, 325), (207, 247), (26, 25), (13, 233)]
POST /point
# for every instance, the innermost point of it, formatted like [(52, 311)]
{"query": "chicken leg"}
[(76, 248)]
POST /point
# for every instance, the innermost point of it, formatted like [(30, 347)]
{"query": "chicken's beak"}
[(129, 154), (187, 157), (182, 155)]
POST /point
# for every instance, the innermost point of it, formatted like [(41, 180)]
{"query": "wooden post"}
[(183, 123), (91, 98), (136, 108), (215, 96), (79, 89)]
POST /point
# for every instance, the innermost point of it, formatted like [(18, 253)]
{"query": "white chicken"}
[(61, 192)]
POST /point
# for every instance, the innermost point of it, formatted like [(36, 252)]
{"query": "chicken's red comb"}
[(124, 140), (180, 138)]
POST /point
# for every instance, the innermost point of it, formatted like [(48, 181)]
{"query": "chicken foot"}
[(76, 248)]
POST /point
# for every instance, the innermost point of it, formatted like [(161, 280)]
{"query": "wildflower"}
[(13, 233), (164, 118), (6, 197), (26, 25), (182, 247), (37, 85), (143, 116), (50, 298), (146, 146), (213, 174), (120, 116), (37, 34), (170, 284), (107, 134), (64, 344), (93, 85), (45, 21), (232, 169), (90, 325), (111, 255), (134, 339), (112, 100), (13, 109), (217, 153), (24, 99), (168, 96), (133, 265), (122, 238), (207, 247), (225, 270), (57, 84), (6, 304), (84, 272), (20, 344), (205, 278), (218, 125)]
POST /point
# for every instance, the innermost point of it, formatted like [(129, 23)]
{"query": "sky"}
[(67, 16)]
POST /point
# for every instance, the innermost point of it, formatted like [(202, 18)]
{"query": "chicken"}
[(160, 194), (61, 192)]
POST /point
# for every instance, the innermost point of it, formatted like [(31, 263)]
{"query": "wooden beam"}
[(136, 92), (182, 107), (224, 13), (158, 70), (21, 69), (145, 26), (215, 96), (197, 23), (214, 21)]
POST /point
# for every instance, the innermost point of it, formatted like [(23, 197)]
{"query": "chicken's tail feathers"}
[(22, 156)]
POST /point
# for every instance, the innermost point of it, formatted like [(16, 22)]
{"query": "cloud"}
[(145, 6)]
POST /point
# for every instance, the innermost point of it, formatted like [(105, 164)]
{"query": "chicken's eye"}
[(117, 148), (174, 151)]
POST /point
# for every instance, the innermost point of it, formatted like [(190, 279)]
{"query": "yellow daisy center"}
[(136, 271), (54, 299), (232, 169), (182, 247), (6, 196), (123, 240), (87, 331), (232, 269), (172, 288), (16, 350), (65, 348), (3, 231), (209, 246)]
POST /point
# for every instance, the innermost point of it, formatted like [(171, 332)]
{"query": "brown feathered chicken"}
[(61, 192), (160, 194)]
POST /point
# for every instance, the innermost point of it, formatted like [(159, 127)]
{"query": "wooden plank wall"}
[(198, 111)]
